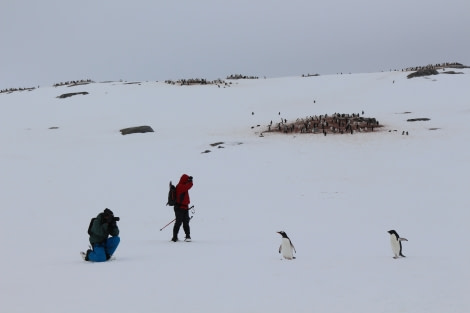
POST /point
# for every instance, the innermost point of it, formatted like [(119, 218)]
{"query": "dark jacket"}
[(182, 194), (100, 230)]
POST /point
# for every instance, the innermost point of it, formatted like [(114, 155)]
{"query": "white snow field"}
[(64, 160)]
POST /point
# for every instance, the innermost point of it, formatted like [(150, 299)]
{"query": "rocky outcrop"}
[(67, 95), (421, 119), (423, 72), (452, 72), (136, 129)]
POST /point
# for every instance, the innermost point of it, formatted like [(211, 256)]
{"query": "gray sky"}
[(49, 41)]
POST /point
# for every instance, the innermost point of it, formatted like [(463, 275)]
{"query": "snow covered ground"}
[(336, 196)]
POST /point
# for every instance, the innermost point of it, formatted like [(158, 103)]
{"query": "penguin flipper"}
[(280, 248), (292, 245), (402, 239)]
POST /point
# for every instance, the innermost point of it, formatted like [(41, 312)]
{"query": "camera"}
[(116, 218)]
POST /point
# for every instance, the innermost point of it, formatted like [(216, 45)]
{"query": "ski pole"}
[(167, 224)]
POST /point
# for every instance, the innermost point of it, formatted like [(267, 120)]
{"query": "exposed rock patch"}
[(423, 72), (215, 144), (67, 95), (452, 72), (136, 129), (421, 119), (221, 145)]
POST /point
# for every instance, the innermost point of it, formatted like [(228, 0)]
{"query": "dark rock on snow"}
[(66, 95), (423, 72), (137, 129), (418, 119)]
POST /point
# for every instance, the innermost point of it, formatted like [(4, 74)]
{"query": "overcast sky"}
[(49, 41)]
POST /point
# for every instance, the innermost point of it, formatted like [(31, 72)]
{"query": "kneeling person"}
[(104, 237)]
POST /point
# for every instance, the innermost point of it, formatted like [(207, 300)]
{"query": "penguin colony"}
[(240, 76), (67, 83), (202, 81), (10, 90), (198, 81), (74, 82), (336, 123)]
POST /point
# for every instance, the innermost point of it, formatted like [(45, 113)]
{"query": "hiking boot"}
[(85, 255), (174, 239), (188, 238)]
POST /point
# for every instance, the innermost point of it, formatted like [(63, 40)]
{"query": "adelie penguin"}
[(395, 241), (286, 247)]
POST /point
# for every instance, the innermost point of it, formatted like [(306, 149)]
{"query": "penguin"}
[(286, 247), (395, 241)]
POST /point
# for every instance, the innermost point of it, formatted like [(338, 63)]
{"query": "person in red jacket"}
[(182, 207)]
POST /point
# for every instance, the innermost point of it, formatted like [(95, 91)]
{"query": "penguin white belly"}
[(395, 246), (286, 249)]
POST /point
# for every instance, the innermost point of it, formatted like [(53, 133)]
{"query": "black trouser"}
[(182, 217)]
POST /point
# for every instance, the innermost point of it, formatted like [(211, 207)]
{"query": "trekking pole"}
[(192, 210), (167, 224)]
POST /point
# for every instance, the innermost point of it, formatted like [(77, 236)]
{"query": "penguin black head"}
[(393, 232), (283, 234)]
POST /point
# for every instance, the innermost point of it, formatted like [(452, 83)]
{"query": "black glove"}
[(106, 220), (190, 179)]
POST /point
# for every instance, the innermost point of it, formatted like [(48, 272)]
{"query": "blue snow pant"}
[(103, 251)]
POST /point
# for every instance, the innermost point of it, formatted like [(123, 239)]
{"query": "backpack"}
[(91, 224), (171, 195)]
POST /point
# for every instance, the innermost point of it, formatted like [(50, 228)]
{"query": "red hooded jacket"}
[(182, 188)]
